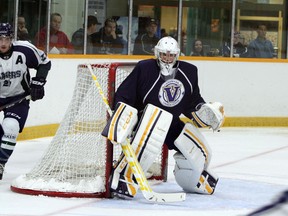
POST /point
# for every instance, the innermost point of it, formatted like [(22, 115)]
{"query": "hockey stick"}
[(27, 97), (133, 162)]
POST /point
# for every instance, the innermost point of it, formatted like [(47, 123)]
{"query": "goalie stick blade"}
[(164, 197)]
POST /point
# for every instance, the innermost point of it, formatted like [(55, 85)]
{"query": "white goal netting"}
[(79, 160)]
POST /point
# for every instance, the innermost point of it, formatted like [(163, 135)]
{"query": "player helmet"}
[(6, 30), (167, 52)]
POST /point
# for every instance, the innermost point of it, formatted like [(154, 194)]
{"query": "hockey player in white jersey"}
[(164, 94), (16, 57)]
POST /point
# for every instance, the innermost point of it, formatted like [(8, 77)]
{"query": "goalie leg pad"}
[(147, 144), (185, 177), (151, 134), (210, 114), (192, 144), (191, 164), (193, 181), (121, 124)]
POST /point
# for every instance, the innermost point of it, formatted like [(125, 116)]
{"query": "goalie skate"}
[(122, 187)]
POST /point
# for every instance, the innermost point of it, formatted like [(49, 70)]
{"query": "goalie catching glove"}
[(210, 115), (37, 88)]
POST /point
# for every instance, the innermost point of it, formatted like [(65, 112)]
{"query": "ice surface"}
[(251, 163)]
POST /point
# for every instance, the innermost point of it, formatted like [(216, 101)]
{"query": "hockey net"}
[(78, 161)]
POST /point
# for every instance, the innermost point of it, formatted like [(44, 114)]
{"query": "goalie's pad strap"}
[(121, 124), (204, 185), (194, 147)]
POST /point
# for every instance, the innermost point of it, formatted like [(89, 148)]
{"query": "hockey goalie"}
[(160, 103)]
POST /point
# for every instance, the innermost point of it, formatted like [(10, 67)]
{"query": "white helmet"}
[(167, 52)]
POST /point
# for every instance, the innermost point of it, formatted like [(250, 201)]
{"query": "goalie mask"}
[(167, 52)]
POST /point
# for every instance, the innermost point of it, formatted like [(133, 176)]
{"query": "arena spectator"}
[(145, 43), (22, 32), (239, 48), (59, 42), (106, 41), (261, 47), (197, 48), (78, 36)]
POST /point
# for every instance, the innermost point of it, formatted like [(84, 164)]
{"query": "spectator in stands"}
[(106, 41), (145, 43), (239, 48), (197, 48), (119, 32), (59, 42), (163, 32), (22, 32), (261, 47), (78, 36)]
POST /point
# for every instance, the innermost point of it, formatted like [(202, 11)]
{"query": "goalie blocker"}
[(121, 124)]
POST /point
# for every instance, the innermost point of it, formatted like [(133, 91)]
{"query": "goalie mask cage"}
[(78, 161)]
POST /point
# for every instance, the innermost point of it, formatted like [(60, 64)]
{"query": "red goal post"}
[(78, 161)]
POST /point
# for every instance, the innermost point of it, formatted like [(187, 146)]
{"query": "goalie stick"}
[(133, 162), (27, 97)]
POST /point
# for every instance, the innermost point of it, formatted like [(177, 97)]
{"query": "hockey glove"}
[(211, 115), (37, 88)]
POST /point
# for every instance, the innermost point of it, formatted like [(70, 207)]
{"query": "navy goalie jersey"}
[(177, 95)]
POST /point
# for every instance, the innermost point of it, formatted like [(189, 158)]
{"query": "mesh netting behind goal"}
[(79, 160)]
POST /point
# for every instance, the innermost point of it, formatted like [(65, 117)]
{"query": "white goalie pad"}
[(151, 134), (149, 138), (121, 124), (210, 114), (191, 163), (193, 181), (185, 176), (194, 147), (147, 144)]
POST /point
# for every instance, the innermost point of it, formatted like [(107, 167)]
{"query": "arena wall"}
[(253, 93)]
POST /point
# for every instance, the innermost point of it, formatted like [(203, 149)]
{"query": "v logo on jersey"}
[(171, 92)]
